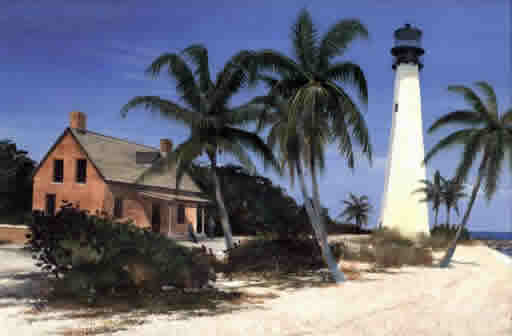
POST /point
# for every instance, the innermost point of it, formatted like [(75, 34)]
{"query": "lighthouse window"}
[(396, 107)]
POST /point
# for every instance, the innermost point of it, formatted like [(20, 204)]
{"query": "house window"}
[(81, 170), (199, 224), (181, 214), (118, 207), (155, 217), (396, 107), (58, 171), (50, 204)]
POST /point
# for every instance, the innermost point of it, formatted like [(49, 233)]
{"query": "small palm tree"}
[(318, 108), (357, 209), (213, 122), (433, 193), (452, 192), (487, 133)]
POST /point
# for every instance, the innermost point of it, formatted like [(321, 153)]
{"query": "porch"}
[(173, 215)]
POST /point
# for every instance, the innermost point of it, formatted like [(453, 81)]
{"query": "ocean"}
[(488, 235)]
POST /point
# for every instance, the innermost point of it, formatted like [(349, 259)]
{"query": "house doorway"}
[(155, 217), (50, 204)]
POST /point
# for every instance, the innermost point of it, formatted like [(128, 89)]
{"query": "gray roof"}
[(116, 160)]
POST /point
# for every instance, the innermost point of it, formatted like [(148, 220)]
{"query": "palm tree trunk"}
[(316, 203), (445, 262), (448, 216), (435, 216), (320, 235), (224, 217)]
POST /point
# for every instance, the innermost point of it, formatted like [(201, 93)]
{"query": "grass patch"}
[(387, 248)]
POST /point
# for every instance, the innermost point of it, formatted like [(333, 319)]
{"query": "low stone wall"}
[(13, 233)]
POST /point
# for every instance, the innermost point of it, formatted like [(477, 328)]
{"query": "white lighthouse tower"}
[(401, 205)]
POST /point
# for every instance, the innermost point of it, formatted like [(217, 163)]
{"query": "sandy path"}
[(472, 298)]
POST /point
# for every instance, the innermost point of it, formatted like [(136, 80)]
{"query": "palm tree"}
[(358, 209), (318, 109), (487, 133), (433, 193), (207, 112), (451, 193)]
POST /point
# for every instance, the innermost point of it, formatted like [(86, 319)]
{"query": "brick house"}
[(99, 172)]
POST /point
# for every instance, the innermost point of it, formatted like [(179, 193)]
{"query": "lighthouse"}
[(402, 208)]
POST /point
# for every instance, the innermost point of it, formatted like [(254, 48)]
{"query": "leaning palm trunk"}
[(223, 213), (316, 204), (320, 234), (448, 210), (451, 250)]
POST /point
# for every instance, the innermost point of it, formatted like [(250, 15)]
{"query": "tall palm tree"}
[(318, 108), (206, 111), (451, 193), (433, 193), (357, 209), (486, 133)]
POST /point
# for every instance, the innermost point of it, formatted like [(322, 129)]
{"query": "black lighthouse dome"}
[(407, 47)]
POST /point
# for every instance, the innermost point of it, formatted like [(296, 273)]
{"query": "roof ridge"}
[(122, 140)]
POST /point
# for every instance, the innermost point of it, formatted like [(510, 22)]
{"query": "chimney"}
[(77, 120), (165, 147)]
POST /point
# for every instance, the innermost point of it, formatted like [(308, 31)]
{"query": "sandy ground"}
[(473, 297)]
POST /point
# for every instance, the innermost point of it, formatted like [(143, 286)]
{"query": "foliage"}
[(486, 133), (94, 253), (255, 205), (452, 192), (308, 107), (388, 248), (15, 181), (215, 126), (357, 209), (271, 255), (433, 191)]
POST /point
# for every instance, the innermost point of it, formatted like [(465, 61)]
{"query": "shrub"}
[(387, 248), (449, 231), (345, 228), (282, 256), (94, 253)]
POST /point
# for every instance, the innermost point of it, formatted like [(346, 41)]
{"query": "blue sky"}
[(90, 55)]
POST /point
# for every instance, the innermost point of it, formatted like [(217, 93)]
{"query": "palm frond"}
[(507, 117), (177, 159), (180, 71), (464, 117), (255, 144), (276, 62), (355, 119), (198, 55), (472, 99), (456, 138), (495, 161), (491, 101), (165, 108), (338, 38), (304, 41), (349, 73), (238, 152), (472, 146)]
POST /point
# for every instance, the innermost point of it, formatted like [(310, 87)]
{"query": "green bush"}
[(95, 253), (281, 256), (449, 231), (388, 248)]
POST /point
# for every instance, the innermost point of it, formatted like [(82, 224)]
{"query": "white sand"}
[(474, 297)]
